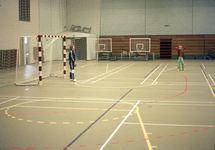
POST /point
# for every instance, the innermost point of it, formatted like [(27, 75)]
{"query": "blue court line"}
[(151, 71), (204, 72), (96, 120)]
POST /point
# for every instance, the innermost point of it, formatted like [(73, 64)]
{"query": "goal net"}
[(139, 44), (39, 57)]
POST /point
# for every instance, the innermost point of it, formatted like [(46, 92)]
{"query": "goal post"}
[(39, 57)]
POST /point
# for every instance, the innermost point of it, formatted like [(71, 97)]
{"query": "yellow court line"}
[(72, 108), (208, 84), (144, 130), (170, 69), (142, 126), (107, 68)]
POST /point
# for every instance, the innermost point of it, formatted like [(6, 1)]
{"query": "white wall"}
[(10, 26), (84, 13), (204, 17), (52, 20), (52, 16), (123, 17), (149, 17)]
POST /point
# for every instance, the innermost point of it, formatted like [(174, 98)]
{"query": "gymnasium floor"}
[(114, 105)]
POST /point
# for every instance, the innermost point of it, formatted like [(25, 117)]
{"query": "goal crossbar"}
[(40, 55)]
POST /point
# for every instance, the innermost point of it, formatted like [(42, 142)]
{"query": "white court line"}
[(112, 73), (168, 104), (118, 127), (211, 78), (203, 65), (172, 125), (151, 74), (9, 100), (104, 73), (59, 99), (160, 74)]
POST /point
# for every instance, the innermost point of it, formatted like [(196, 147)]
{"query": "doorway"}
[(165, 48)]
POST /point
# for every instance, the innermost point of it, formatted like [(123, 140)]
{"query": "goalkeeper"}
[(72, 63)]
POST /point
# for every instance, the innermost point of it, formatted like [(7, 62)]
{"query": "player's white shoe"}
[(74, 80)]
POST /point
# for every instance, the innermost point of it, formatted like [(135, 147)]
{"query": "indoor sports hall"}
[(144, 77)]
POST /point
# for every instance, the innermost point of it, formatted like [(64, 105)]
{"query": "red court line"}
[(115, 143), (145, 139), (173, 135), (104, 108), (184, 133), (195, 130), (121, 107), (66, 146), (82, 146)]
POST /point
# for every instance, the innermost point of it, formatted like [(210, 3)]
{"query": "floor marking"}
[(65, 146), (82, 146), (8, 100), (48, 147), (199, 105), (203, 65), (154, 147), (159, 74), (99, 118), (150, 74), (208, 84), (115, 118), (115, 143), (211, 78), (195, 130), (71, 108), (173, 135), (151, 71), (107, 68), (104, 73), (144, 130), (170, 69), (29, 120), (105, 120), (184, 133), (118, 126), (112, 73), (40, 122), (171, 125)]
